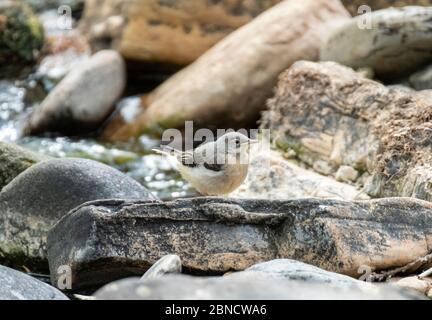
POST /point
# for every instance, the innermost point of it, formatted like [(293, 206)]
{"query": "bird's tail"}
[(167, 151)]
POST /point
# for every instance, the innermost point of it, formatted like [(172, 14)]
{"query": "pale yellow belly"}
[(215, 183)]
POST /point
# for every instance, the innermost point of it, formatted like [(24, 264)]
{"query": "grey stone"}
[(15, 285), (83, 99), (393, 42), (168, 264), (422, 80), (182, 287), (14, 160), (113, 239), (36, 199)]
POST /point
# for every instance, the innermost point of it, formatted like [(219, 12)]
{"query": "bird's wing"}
[(206, 155), (185, 158)]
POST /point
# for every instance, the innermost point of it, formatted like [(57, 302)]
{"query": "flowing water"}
[(19, 95)]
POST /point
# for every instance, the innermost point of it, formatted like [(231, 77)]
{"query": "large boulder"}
[(21, 35), (393, 42), (329, 113), (14, 160), (228, 85), (113, 239), (36, 199), (15, 285), (159, 32), (83, 99)]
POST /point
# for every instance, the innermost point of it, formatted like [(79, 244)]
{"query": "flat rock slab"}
[(15, 285), (37, 198), (107, 240)]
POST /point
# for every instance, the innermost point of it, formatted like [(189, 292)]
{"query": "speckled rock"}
[(83, 99), (273, 177), (181, 287), (15, 285), (393, 42), (37, 198), (354, 5), (328, 112), (112, 239), (225, 97), (14, 160)]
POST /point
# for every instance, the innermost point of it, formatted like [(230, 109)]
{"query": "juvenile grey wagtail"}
[(214, 168)]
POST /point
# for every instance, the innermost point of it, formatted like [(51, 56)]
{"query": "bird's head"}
[(234, 143)]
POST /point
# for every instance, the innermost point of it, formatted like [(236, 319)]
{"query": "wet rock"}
[(175, 32), (21, 35), (422, 80), (36, 199), (354, 5), (182, 287), (224, 97), (165, 265), (83, 99), (16, 285), (393, 42), (273, 177), (327, 112), (113, 239), (14, 160)]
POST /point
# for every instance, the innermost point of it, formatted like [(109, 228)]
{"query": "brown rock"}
[(173, 32), (327, 112), (227, 86)]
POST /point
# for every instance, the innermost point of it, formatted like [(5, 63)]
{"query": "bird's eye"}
[(237, 142)]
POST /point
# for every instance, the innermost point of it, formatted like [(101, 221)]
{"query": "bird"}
[(214, 168)]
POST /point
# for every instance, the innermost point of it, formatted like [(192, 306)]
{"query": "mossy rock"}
[(21, 34)]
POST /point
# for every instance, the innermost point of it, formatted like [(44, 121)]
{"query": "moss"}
[(21, 34)]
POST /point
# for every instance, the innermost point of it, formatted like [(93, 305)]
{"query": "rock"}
[(112, 239), (182, 287), (422, 80), (42, 5), (346, 174), (216, 95), (416, 284), (83, 99), (21, 35), (396, 42), (165, 265), (16, 285), (354, 5), (327, 112), (175, 32), (14, 160), (273, 177), (36, 199)]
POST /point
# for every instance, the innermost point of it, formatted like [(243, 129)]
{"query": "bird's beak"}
[(253, 141)]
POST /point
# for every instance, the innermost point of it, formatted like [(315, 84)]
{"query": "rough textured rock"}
[(16, 285), (83, 99), (37, 198), (422, 80), (215, 94), (168, 264), (112, 239), (353, 5), (327, 112), (14, 160), (414, 283), (273, 177), (174, 32), (183, 287), (21, 35), (397, 41)]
